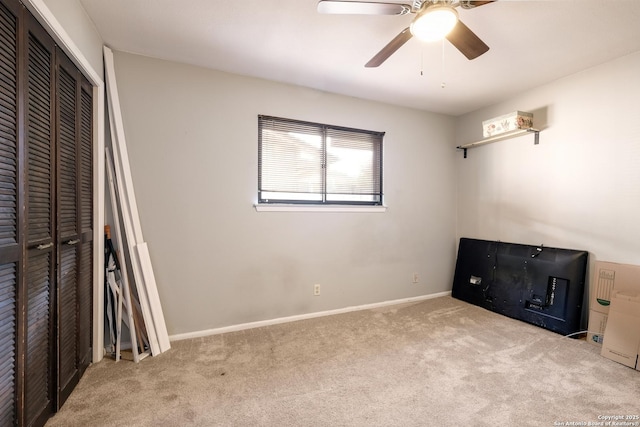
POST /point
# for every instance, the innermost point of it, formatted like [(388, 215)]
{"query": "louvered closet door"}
[(68, 94), (75, 216), (46, 217), (9, 202), (40, 231), (85, 275)]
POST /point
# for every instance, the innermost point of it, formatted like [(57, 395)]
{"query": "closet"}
[(46, 221)]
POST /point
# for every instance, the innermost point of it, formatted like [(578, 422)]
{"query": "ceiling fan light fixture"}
[(434, 23)]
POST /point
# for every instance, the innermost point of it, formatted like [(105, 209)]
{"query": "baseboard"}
[(295, 318)]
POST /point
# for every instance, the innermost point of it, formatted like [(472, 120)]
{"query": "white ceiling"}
[(532, 43)]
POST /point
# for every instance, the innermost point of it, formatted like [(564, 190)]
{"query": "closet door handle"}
[(44, 246), (73, 242)]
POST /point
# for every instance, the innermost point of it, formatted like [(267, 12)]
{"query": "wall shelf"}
[(501, 137)]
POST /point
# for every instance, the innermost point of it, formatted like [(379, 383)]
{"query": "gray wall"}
[(580, 188), (192, 137)]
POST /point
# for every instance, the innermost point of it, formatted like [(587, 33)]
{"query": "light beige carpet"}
[(439, 362)]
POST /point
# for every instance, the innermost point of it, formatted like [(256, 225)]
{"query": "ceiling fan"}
[(434, 20)]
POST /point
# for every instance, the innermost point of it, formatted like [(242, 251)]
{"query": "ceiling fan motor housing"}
[(434, 21)]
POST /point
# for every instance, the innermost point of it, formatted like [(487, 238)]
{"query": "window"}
[(311, 163)]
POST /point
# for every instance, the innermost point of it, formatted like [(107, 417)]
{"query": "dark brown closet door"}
[(68, 94), (39, 347), (75, 215), (85, 275), (9, 202), (46, 213)]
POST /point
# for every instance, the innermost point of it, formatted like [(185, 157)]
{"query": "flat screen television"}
[(540, 285)]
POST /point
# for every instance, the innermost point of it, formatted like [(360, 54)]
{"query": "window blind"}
[(304, 162)]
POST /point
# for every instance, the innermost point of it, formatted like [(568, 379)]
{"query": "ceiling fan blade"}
[(470, 4), (466, 41), (390, 48), (362, 8)]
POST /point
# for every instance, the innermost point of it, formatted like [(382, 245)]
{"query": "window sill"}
[(263, 207)]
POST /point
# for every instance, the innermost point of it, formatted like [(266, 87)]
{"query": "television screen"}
[(537, 284)]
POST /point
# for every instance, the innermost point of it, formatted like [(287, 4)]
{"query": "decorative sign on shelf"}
[(507, 123)]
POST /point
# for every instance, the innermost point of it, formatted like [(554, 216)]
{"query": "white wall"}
[(192, 136), (79, 27), (580, 188)]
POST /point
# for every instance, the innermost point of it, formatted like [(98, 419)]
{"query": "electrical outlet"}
[(316, 289), (415, 277)]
